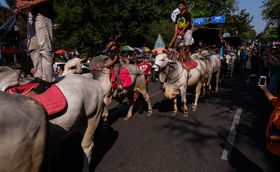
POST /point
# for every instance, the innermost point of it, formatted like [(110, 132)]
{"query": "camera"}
[(262, 80)]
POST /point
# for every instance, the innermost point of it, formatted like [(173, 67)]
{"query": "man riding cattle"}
[(183, 33)]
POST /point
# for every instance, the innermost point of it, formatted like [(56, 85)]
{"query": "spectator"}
[(243, 58), (274, 67), (273, 127), (1, 57), (254, 61)]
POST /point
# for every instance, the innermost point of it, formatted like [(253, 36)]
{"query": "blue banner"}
[(218, 19), (199, 21)]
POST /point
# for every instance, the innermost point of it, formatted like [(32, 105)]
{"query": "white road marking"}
[(232, 134)]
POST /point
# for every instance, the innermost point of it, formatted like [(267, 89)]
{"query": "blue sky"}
[(252, 6), (3, 3)]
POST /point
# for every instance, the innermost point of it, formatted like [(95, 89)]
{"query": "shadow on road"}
[(104, 140), (238, 160)]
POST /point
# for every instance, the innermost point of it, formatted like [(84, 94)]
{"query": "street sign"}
[(199, 21), (218, 19)]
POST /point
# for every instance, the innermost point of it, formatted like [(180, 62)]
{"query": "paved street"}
[(196, 143)]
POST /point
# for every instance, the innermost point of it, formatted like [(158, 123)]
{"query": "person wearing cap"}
[(39, 36), (183, 31), (144, 66)]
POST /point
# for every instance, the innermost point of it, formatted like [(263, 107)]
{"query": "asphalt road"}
[(195, 144), (166, 143)]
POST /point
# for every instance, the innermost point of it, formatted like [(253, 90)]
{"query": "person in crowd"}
[(254, 61), (144, 66), (1, 57), (274, 67), (183, 32), (39, 36), (243, 58), (273, 127), (263, 65)]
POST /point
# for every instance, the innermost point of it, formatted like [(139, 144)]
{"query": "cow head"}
[(73, 66), (8, 77), (98, 64), (161, 61)]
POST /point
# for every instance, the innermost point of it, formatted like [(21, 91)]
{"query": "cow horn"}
[(83, 60)]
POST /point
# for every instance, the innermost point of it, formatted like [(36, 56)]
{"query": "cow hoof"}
[(150, 113), (186, 114), (174, 113), (194, 109), (127, 118), (106, 124)]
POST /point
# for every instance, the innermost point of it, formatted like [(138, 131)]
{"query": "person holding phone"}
[(262, 80), (273, 127)]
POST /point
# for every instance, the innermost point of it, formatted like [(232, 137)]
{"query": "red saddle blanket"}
[(52, 99), (190, 64), (145, 67), (124, 76)]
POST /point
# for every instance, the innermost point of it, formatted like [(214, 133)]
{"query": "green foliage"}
[(87, 24), (239, 25), (202, 8), (164, 27), (269, 34), (271, 11)]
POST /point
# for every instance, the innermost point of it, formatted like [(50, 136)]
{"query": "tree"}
[(87, 24), (271, 11), (269, 34), (239, 24)]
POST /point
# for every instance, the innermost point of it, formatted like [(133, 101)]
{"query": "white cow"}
[(177, 79), (84, 109)]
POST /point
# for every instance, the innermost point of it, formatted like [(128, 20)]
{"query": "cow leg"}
[(105, 116), (147, 99), (130, 97), (209, 84), (107, 101), (87, 142), (184, 102), (204, 86), (232, 68), (197, 94), (217, 80), (175, 108)]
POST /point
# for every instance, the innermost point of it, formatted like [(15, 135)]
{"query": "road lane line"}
[(232, 134)]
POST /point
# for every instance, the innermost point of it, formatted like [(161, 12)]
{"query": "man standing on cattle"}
[(183, 32), (39, 36)]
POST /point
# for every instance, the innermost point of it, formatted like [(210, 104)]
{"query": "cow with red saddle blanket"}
[(112, 75), (74, 105), (177, 77)]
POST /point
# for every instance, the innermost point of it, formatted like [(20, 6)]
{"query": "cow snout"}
[(155, 68)]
